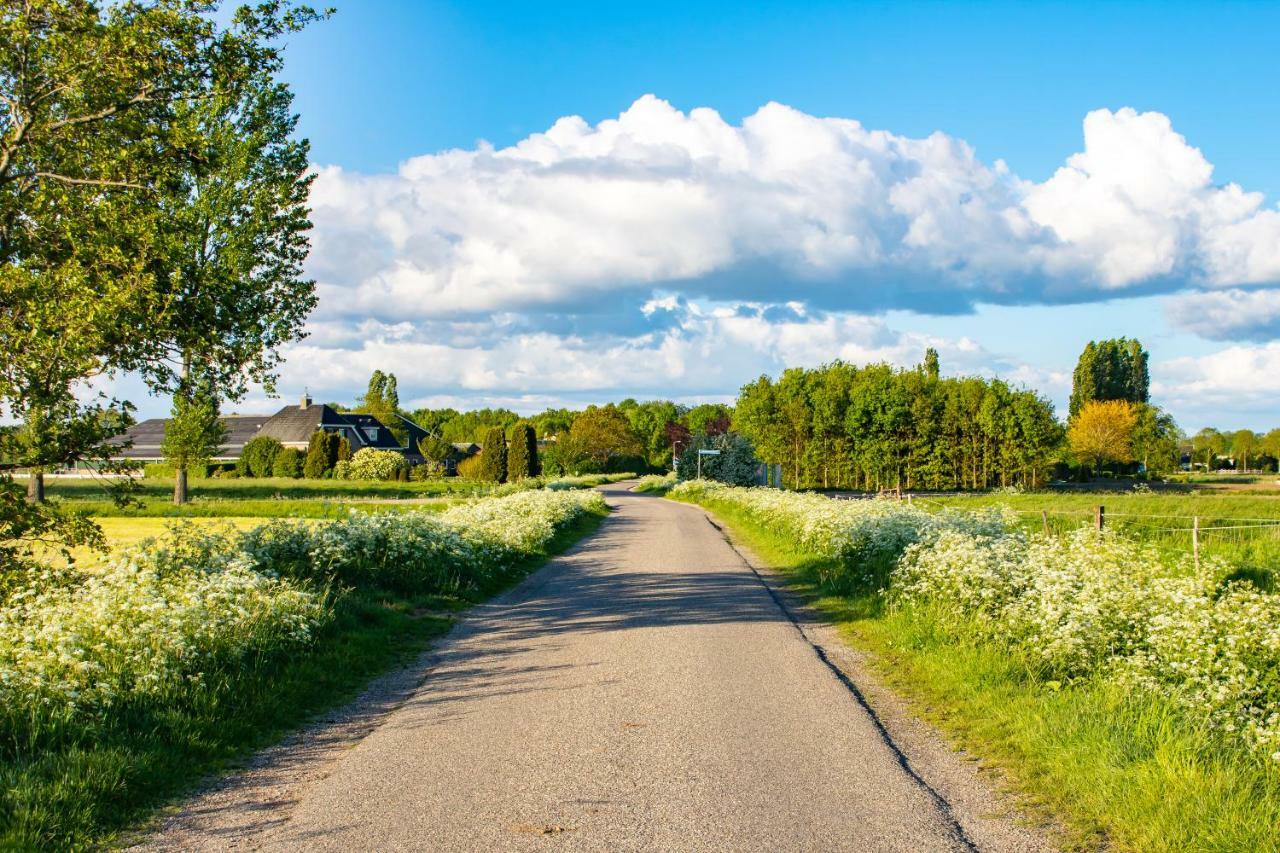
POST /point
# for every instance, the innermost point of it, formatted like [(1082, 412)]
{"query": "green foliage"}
[(451, 425), (382, 400), (493, 456), (195, 433), (522, 453), (344, 450), (601, 440), (1114, 369), (317, 463), (371, 464), (708, 418), (258, 456), (288, 463), (736, 465), (875, 428), (435, 450)]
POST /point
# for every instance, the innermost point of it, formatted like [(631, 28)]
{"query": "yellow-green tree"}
[(1102, 432)]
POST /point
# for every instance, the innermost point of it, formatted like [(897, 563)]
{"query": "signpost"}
[(702, 453)]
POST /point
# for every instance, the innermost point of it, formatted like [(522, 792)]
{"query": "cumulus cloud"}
[(699, 351), (1228, 315), (784, 207), (1238, 383)]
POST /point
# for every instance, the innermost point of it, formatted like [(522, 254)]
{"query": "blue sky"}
[(705, 250)]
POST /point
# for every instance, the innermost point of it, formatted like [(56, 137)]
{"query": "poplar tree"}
[(493, 455), (522, 453)]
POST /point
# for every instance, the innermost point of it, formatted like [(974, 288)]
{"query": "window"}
[(370, 433)]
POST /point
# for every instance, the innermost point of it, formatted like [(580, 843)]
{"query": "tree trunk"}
[(180, 486), (35, 486)]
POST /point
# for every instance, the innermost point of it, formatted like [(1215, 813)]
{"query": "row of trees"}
[(877, 427), (153, 219), (1248, 450)]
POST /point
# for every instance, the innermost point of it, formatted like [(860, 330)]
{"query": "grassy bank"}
[(1127, 767), (77, 780)]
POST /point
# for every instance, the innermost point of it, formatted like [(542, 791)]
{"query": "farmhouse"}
[(292, 426)]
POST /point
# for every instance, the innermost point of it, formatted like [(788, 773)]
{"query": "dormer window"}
[(370, 433)]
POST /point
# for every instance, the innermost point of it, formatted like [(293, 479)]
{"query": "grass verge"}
[(1123, 768), (82, 793)]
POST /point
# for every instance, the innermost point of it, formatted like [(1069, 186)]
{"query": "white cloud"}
[(1240, 383), (1228, 315), (786, 206)]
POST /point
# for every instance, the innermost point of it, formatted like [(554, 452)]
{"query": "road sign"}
[(708, 452)]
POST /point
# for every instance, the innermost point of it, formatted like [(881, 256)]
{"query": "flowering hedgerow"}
[(861, 537), (1088, 604), (168, 613), (1077, 606)]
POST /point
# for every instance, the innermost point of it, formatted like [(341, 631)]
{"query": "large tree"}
[(233, 235), (1114, 369), (603, 436), (1102, 432), (91, 133)]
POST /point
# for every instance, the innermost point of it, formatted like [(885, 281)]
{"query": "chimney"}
[(306, 400)]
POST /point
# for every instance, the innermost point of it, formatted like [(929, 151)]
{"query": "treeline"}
[(878, 427), (639, 435), (1241, 450)]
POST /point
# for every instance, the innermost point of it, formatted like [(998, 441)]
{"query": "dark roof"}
[(291, 425), (147, 436)]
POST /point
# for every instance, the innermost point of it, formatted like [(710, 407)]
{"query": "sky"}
[(532, 204)]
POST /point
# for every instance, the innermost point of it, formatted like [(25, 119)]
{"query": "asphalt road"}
[(645, 691)]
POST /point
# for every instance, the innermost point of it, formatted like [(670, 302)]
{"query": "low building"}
[(292, 426)]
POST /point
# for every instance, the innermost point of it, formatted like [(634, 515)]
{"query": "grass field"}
[(1238, 526), (1120, 768)]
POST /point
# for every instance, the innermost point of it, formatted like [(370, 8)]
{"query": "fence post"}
[(1195, 540), (1099, 517), (1044, 518)]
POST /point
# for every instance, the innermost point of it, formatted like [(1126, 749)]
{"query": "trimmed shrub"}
[(522, 453), (344, 450), (371, 464), (317, 461), (259, 455), (493, 456), (165, 471), (288, 463), (469, 468)]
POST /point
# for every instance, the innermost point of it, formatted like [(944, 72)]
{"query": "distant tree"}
[(1155, 439), (382, 400), (1245, 443), (288, 463), (603, 438), (931, 363), (493, 455), (709, 419), (522, 453), (553, 422), (1102, 432), (193, 435), (317, 462), (258, 457), (1271, 444), (436, 451), (1208, 444), (1114, 369), (649, 421)]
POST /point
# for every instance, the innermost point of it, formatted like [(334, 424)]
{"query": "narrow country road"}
[(642, 692)]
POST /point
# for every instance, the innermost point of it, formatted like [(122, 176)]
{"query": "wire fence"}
[(1250, 541)]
